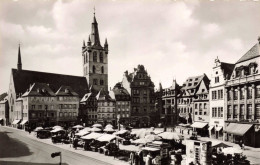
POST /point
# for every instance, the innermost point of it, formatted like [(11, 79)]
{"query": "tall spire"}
[(19, 63), (84, 45), (94, 32)]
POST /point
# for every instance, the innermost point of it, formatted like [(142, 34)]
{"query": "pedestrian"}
[(75, 143), (243, 146), (141, 158), (132, 158), (148, 159), (29, 130)]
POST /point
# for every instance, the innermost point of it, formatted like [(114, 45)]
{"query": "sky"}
[(172, 39)]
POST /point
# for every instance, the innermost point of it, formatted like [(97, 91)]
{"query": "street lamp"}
[(54, 154)]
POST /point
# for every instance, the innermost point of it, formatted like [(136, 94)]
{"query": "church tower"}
[(95, 60)]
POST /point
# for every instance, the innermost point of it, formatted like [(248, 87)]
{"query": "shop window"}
[(257, 111)]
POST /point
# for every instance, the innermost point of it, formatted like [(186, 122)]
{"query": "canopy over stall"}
[(170, 136), (199, 125), (238, 129), (93, 135), (16, 121)]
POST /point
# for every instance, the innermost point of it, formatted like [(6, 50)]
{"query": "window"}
[(216, 79), (196, 106), (52, 114), (33, 106), (205, 113), (205, 105), (102, 69), (242, 94), (242, 111), (74, 114), (257, 111), (61, 114), (214, 95), (95, 81), (86, 58), (101, 57), (229, 94), (235, 112), (101, 82), (95, 56), (220, 94), (249, 111), (39, 107), (235, 94), (249, 93), (65, 114), (229, 112), (258, 92), (93, 69)]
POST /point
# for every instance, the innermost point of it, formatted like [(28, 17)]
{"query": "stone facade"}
[(243, 98)]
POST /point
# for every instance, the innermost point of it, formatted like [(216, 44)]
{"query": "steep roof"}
[(24, 78), (39, 89), (252, 53), (66, 91), (227, 69), (192, 82)]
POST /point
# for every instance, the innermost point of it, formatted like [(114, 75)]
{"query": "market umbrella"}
[(78, 126), (109, 129), (56, 126), (57, 130), (142, 141), (82, 133), (88, 129), (232, 150), (38, 128), (93, 135), (153, 137), (170, 136), (97, 125), (109, 126), (95, 129)]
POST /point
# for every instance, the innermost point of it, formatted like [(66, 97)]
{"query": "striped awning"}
[(238, 129), (199, 125)]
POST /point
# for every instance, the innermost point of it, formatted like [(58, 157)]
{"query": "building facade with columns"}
[(243, 100), (220, 73)]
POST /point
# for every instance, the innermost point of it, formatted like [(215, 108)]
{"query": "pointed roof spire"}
[(160, 86), (19, 63), (84, 45), (106, 42), (94, 31)]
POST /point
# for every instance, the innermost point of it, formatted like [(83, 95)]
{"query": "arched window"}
[(101, 57), (101, 82), (94, 69), (95, 56), (102, 69)]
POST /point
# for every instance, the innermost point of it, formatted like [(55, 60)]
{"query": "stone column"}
[(253, 102), (238, 102), (232, 103), (245, 114)]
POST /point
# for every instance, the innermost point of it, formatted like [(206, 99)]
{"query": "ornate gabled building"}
[(242, 96), (169, 104), (141, 89), (193, 103), (220, 74)]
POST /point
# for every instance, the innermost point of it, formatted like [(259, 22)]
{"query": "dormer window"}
[(189, 84), (67, 90)]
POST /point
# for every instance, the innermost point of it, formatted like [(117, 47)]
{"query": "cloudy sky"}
[(170, 38)]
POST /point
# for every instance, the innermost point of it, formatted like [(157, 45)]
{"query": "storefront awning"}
[(218, 128), (210, 128), (16, 121), (238, 129), (1, 119), (23, 122), (199, 125)]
